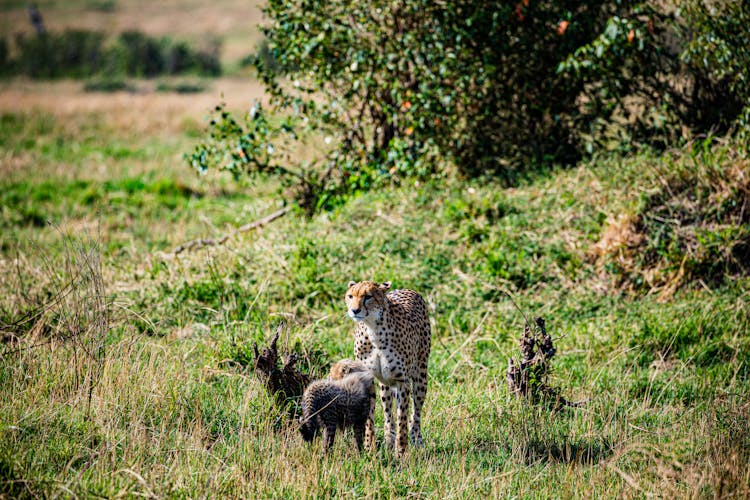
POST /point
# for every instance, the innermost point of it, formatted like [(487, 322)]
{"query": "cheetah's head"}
[(366, 300)]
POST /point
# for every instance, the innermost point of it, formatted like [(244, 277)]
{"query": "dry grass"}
[(145, 113), (687, 222)]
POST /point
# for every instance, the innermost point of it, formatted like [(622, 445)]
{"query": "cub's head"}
[(366, 300), (346, 367), (308, 428)]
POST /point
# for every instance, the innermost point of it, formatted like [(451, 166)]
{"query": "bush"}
[(72, 53), (643, 86), (82, 54), (719, 51), (142, 55), (106, 85), (3, 55), (183, 87), (402, 89)]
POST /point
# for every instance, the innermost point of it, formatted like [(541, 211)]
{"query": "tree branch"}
[(206, 242)]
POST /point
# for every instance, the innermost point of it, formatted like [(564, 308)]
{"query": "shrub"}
[(642, 76), (106, 85), (72, 53), (147, 56), (402, 89), (719, 51), (142, 55), (183, 87), (3, 55), (82, 54)]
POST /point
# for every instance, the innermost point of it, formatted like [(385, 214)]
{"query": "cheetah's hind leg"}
[(419, 389)]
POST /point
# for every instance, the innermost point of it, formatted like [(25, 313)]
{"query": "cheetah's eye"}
[(368, 296), (349, 296)]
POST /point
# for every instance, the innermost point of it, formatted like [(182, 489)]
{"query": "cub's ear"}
[(351, 284), (385, 285)]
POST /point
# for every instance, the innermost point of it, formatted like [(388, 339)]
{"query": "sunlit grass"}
[(176, 412)]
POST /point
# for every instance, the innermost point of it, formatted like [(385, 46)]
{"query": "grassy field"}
[(124, 368)]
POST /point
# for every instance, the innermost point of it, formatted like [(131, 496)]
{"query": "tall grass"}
[(170, 408)]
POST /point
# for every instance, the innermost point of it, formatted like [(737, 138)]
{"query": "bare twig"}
[(513, 301), (207, 242)]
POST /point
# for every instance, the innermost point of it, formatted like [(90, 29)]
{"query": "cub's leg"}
[(329, 433), (359, 435)]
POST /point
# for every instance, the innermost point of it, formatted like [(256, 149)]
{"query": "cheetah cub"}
[(343, 400), (344, 368), (392, 339)]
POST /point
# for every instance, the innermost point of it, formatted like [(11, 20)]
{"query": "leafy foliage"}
[(261, 146), (644, 83), (404, 88), (719, 49)]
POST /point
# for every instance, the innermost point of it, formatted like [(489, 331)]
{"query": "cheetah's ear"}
[(351, 284), (385, 285)]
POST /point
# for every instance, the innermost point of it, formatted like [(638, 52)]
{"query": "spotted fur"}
[(392, 338), (329, 404)]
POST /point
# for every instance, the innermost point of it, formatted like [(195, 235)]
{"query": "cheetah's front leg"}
[(402, 399), (386, 397), (370, 423)]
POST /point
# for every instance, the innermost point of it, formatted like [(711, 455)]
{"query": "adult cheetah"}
[(392, 338)]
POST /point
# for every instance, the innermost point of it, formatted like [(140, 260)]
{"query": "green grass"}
[(177, 412)]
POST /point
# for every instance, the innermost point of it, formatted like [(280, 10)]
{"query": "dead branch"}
[(529, 377), (285, 384), (207, 242)]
